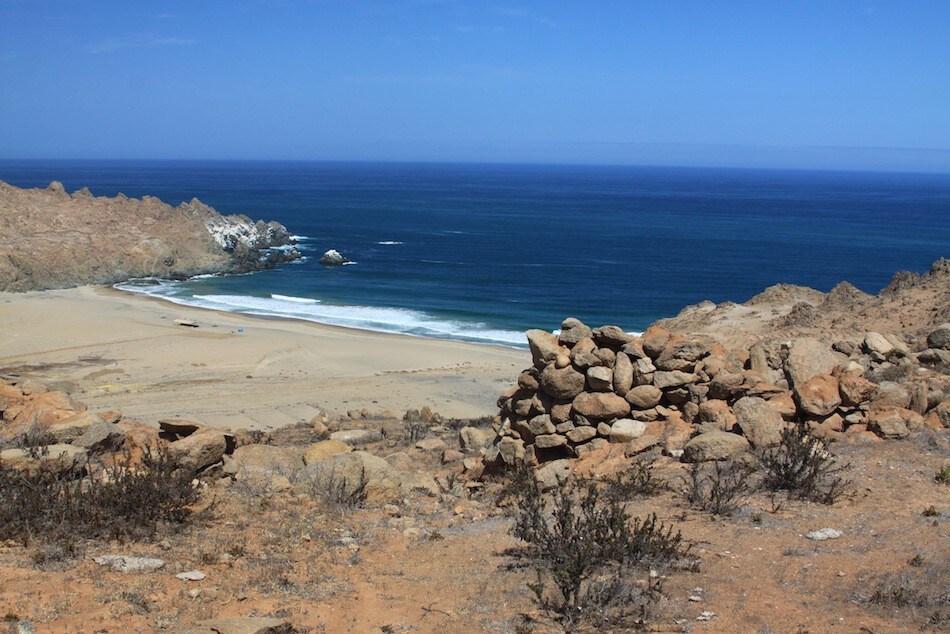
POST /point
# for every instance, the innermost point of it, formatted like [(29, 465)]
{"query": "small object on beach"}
[(240, 331), (823, 534), (186, 322), (332, 258), (191, 575)]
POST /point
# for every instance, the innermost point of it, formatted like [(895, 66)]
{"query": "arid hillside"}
[(52, 239), (911, 304)]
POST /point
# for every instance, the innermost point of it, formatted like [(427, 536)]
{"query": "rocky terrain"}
[(52, 239), (701, 401), (911, 304), (787, 483)]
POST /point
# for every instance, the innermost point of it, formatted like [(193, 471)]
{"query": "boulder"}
[(890, 393), (623, 375), (472, 439), (505, 451), (355, 436), (625, 430), (581, 434), (200, 450), (644, 396), (717, 413), (59, 459), (100, 437), (726, 386), (809, 357), (939, 339), (654, 340), (263, 458), (682, 354), (332, 258), (818, 396), (889, 422), (544, 347), (323, 450), (572, 331), (674, 378), (855, 389), (599, 378), (551, 474), (759, 423), (784, 406), (600, 406), (876, 343), (611, 337), (69, 429), (431, 445), (549, 441), (528, 380), (562, 383), (349, 471), (541, 425), (714, 445)]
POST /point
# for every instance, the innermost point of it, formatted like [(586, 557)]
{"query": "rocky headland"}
[(50, 238)]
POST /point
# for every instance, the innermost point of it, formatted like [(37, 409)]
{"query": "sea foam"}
[(379, 319)]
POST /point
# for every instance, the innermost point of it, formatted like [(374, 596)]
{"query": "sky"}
[(850, 84)]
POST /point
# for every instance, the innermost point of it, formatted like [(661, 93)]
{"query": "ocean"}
[(482, 252)]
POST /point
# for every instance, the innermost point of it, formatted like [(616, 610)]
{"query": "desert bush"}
[(119, 501), (802, 466), (920, 596), (636, 482), (335, 490), (585, 546), (942, 476), (718, 490)]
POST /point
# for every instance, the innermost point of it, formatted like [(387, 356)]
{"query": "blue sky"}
[(797, 83)]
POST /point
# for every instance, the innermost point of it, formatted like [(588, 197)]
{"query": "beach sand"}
[(114, 350)]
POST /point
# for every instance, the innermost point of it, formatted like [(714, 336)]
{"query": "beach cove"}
[(118, 350)]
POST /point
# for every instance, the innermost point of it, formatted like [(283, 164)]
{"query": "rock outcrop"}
[(913, 304), (698, 400), (52, 239)]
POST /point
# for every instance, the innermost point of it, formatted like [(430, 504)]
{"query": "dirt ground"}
[(442, 562)]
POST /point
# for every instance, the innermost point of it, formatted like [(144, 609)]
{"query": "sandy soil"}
[(442, 563), (115, 350)]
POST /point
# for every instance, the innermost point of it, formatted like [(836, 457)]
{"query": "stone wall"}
[(696, 400)]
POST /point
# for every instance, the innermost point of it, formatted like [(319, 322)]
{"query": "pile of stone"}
[(694, 399)]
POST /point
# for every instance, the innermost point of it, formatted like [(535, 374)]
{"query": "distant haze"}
[(849, 84)]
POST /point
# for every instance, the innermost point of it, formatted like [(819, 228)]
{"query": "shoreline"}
[(117, 350), (111, 288)]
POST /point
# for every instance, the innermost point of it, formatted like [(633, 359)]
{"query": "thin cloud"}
[(137, 41)]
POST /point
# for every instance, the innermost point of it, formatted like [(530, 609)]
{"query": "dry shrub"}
[(586, 550), (719, 489), (116, 502), (802, 466)]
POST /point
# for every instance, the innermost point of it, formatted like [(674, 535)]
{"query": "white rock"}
[(191, 575), (130, 564), (823, 534)]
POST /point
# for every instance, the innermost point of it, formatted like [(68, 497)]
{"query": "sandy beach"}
[(114, 350)]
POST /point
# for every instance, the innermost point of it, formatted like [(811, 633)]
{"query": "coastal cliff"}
[(52, 239)]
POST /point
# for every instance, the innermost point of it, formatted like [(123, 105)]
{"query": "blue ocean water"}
[(482, 252)]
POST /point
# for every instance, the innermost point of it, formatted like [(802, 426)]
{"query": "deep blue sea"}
[(482, 252)]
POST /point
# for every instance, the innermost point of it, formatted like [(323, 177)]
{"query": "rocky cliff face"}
[(52, 239)]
